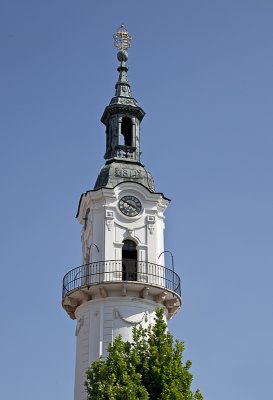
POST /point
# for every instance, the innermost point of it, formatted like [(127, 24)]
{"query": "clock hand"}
[(130, 205)]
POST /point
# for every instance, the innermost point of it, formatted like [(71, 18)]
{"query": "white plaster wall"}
[(107, 227), (99, 322), (82, 353)]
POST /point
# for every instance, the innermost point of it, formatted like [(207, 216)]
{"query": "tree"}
[(149, 368)]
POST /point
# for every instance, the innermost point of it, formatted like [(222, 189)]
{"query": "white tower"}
[(123, 278)]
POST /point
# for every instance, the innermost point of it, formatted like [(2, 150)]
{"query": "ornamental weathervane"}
[(122, 39)]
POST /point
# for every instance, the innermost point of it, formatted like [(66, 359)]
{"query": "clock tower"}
[(123, 277)]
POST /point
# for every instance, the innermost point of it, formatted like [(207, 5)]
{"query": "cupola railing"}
[(114, 271), (124, 151)]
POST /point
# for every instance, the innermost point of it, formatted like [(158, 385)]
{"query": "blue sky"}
[(202, 71)]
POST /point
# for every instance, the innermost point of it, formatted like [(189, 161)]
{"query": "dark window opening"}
[(127, 131), (129, 261)]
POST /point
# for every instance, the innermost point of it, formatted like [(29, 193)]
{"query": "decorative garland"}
[(145, 316)]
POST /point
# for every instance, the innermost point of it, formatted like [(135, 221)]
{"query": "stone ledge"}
[(171, 300)]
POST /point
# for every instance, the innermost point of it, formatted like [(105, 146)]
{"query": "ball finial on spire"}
[(122, 40)]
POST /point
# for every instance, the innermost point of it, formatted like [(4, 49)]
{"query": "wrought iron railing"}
[(118, 271), (124, 151)]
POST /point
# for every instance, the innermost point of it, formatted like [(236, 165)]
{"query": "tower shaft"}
[(123, 277)]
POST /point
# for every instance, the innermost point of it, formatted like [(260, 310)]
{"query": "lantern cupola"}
[(122, 119)]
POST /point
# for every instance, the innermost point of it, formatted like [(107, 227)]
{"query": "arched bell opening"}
[(127, 132), (129, 261)]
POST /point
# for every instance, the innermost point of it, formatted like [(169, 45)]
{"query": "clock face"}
[(130, 206)]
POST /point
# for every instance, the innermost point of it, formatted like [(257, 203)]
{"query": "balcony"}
[(123, 271)]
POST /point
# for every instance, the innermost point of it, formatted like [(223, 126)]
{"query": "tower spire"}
[(122, 119), (122, 40)]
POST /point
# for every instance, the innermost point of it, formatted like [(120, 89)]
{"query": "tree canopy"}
[(149, 368)]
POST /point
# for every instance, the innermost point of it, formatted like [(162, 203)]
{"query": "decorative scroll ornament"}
[(122, 39), (109, 220), (130, 322), (151, 223)]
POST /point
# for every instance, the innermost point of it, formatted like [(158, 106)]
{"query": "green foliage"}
[(150, 368)]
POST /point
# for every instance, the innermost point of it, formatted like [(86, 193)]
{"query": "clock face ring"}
[(130, 206)]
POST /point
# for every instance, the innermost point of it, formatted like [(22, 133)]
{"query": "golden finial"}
[(122, 39)]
